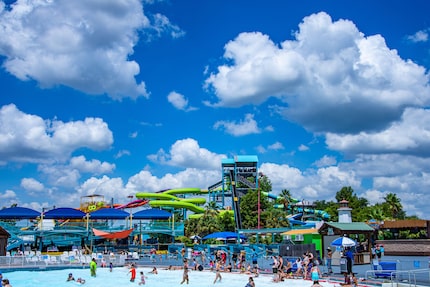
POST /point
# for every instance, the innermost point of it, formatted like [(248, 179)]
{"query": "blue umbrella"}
[(224, 235), (343, 241)]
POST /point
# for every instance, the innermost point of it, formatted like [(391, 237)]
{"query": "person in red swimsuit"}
[(133, 273)]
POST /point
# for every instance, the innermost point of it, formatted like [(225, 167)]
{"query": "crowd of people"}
[(305, 267)]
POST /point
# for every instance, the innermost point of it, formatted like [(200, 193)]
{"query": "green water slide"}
[(149, 195), (168, 199), (186, 191), (177, 204)]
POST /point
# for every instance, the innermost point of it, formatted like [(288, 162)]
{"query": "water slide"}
[(186, 191), (167, 198), (321, 213), (132, 204), (177, 204)]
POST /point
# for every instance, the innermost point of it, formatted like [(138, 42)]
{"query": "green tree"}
[(358, 205), (191, 226), (208, 224), (376, 212), (285, 198), (264, 183), (274, 218), (226, 221), (249, 208), (328, 206), (393, 206)]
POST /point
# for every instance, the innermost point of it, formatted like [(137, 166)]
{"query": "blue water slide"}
[(320, 213)]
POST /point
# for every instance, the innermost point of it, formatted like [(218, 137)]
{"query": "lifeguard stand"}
[(239, 174)]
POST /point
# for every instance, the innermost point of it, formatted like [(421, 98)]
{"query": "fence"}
[(36, 260)]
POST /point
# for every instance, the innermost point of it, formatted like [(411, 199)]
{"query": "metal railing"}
[(413, 277), (66, 259)]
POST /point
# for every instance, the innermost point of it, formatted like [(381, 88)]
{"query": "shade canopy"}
[(152, 213), (109, 213), (224, 235), (301, 231), (64, 213), (18, 213), (343, 241), (113, 235)]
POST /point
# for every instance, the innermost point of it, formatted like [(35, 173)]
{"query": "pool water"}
[(120, 277)]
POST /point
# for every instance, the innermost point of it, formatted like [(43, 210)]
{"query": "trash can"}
[(343, 265)]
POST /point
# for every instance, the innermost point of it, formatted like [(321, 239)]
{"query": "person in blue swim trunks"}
[(315, 273)]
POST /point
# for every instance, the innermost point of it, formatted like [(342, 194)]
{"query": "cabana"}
[(18, 213), (332, 230), (64, 213), (152, 213), (109, 213)]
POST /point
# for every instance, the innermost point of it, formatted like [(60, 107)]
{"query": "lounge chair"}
[(386, 270)]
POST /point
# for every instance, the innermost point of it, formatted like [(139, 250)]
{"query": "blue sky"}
[(120, 97)]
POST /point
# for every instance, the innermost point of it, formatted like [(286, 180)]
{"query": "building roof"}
[(341, 228), (246, 158), (301, 231), (407, 223)]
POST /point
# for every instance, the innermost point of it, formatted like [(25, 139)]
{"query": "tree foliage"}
[(249, 208)]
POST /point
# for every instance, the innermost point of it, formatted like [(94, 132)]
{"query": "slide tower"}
[(239, 174)]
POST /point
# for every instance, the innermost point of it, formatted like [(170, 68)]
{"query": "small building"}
[(4, 235), (332, 230), (411, 225), (398, 245)]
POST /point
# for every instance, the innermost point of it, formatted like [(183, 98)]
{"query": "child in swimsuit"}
[(142, 278)]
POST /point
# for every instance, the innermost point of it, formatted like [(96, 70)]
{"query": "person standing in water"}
[(93, 267), (185, 277), (142, 278), (218, 271), (133, 273)]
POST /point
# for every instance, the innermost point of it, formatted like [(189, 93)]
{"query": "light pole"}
[(131, 212), (259, 204), (130, 239)]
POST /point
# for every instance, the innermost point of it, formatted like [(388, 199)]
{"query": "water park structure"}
[(93, 219)]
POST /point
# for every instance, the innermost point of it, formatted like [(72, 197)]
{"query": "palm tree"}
[(212, 210), (212, 206), (285, 198), (208, 223), (274, 218), (376, 212), (393, 204), (191, 226)]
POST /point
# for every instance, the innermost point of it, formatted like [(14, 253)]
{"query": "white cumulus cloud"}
[(244, 127), (188, 154), (82, 44), (29, 138), (328, 77)]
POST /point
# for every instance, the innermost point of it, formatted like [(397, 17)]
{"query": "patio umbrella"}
[(343, 241), (224, 235), (195, 237)]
